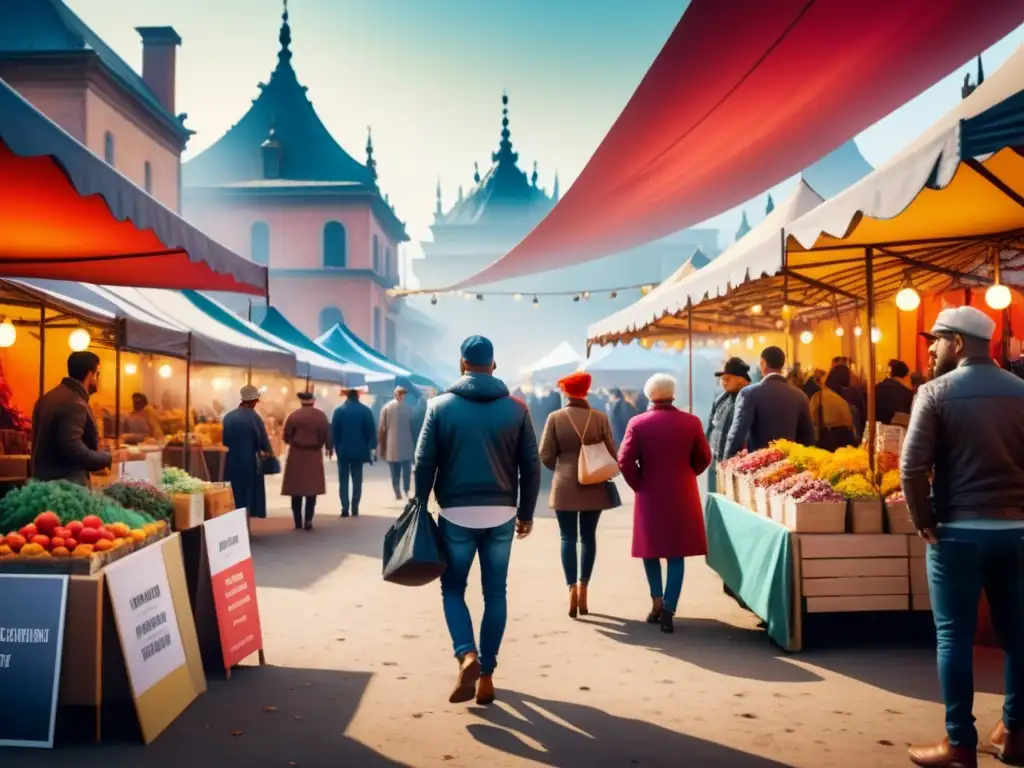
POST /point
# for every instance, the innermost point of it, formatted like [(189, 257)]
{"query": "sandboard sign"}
[(233, 580), (32, 613)]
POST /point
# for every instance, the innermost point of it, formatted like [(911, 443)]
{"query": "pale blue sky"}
[(428, 76)]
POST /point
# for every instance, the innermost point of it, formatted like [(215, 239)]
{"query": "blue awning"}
[(310, 356), (994, 129)]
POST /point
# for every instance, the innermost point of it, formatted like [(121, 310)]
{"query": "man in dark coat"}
[(734, 377), (308, 436), (245, 437), (620, 411), (895, 394), (354, 434), (65, 440), (770, 410)]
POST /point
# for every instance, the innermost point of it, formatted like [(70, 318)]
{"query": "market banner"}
[(32, 612), (234, 586)]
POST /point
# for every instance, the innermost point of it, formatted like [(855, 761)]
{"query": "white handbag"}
[(596, 465)]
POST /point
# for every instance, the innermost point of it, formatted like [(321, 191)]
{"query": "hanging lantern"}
[(840, 331), (876, 335), (130, 369), (908, 299), (517, 297), (165, 371), (79, 340), (806, 337), (536, 302), (858, 331), (750, 342), (756, 309), (998, 296), (8, 333)]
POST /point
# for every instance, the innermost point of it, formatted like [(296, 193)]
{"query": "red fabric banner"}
[(744, 94)]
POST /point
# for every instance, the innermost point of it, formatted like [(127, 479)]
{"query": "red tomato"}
[(60, 532), (15, 541), (29, 531), (47, 522), (91, 521), (108, 535), (75, 527), (70, 544), (57, 541), (89, 536), (41, 540)]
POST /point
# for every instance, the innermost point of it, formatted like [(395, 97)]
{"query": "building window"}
[(334, 244), (388, 265), (149, 178), (376, 329), (389, 338), (259, 243), (376, 254), (108, 148), (330, 317)]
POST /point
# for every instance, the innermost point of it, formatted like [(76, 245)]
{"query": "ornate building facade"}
[(278, 188)]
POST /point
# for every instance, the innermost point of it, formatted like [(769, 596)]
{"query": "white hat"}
[(967, 321), (248, 393)]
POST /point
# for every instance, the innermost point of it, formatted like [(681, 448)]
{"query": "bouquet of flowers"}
[(758, 460), (815, 491), (891, 482), (774, 474), (808, 458), (856, 487), (888, 462), (843, 463), (791, 482), (730, 464)]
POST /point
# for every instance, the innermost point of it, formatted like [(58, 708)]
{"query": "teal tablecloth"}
[(754, 557)]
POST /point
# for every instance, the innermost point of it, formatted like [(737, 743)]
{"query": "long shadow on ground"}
[(709, 644), (558, 733), (231, 725)]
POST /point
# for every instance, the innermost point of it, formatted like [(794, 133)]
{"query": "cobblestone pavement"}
[(360, 672)]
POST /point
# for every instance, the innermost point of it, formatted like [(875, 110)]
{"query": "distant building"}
[(501, 208), (279, 188), (69, 74)]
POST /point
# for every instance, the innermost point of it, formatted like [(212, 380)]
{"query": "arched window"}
[(259, 243), (108, 148), (388, 266), (376, 329), (330, 317), (376, 254), (334, 244), (149, 178)]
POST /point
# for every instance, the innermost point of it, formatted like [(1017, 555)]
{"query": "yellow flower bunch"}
[(843, 463), (891, 482), (856, 487), (786, 447), (808, 458)]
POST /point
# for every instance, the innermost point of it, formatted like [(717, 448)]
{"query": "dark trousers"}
[(401, 476), (348, 468), (578, 527), (673, 585), (297, 509), (965, 561)]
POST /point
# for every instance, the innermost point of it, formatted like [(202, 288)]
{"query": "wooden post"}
[(869, 277), (117, 381), (186, 459), (42, 350), (689, 347), (248, 374)]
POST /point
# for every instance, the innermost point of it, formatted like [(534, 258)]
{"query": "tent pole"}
[(42, 350), (117, 381), (188, 403), (689, 347), (869, 275), (248, 374)]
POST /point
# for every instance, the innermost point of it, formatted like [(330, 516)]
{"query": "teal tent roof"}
[(348, 346), (282, 113), (46, 27), (275, 323)]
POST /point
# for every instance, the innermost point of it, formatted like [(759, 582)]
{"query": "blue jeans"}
[(673, 580), (354, 469), (461, 546), (965, 561), (586, 522), (401, 475)]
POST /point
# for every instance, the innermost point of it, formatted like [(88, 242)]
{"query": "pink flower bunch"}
[(791, 482), (731, 463), (758, 460), (815, 491), (774, 474)]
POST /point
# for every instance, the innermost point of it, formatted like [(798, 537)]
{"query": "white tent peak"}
[(561, 355)]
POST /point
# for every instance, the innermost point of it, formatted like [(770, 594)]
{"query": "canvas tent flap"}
[(791, 81), (309, 353), (343, 344), (67, 215), (628, 366), (561, 360)]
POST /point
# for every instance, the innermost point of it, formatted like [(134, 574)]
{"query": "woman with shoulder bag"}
[(577, 446), (831, 413)]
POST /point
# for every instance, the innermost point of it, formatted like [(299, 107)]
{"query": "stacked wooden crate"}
[(848, 573), (919, 599)]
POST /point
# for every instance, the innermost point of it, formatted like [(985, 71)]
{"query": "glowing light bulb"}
[(750, 342), (998, 296), (908, 299), (8, 333), (678, 345), (756, 309), (840, 331), (876, 335), (726, 344), (517, 297), (284, 390), (760, 339), (786, 311), (806, 337), (79, 340), (131, 369), (858, 331), (165, 371), (536, 302), (645, 343)]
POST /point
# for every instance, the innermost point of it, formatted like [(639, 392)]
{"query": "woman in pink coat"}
[(662, 454)]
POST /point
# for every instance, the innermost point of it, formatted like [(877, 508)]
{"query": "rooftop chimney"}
[(159, 49)]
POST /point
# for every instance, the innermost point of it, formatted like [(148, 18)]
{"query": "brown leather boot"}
[(582, 590), (943, 755), (1009, 745), (485, 690), (574, 601), (657, 606), (465, 685)]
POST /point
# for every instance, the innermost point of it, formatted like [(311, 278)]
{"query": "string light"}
[(780, 324), (517, 297), (998, 296), (576, 297), (433, 300), (908, 299), (750, 342), (876, 335), (131, 369), (840, 331), (479, 297), (760, 339), (79, 340), (165, 371), (858, 331), (756, 309), (536, 302), (806, 337), (586, 295), (8, 333), (284, 390)]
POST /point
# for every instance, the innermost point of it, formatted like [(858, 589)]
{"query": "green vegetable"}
[(176, 481), (69, 501), (142, 497)]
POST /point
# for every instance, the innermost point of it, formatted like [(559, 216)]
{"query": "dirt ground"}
[(360, 671)]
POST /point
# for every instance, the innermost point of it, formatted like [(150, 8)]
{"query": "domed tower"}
[(278, 187)]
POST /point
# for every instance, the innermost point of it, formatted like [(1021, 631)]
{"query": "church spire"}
[(371, 164), (534, 176), (285, 37), (505, 153), (744, 227), (555, 192), (476, 172), (437, 207), (770, 206)]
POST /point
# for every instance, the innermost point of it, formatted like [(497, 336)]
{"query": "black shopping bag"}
[(412, 548)]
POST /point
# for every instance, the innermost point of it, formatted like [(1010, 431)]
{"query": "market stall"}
[(346, 345), (547, 370)]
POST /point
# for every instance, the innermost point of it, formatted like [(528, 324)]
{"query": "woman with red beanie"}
[(577, 506)]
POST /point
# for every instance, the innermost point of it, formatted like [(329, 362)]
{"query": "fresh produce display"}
[(142, 497), (774, 474), (856, 488), (46, 536), (68, 501), (789, 483), (815, 491), (896, 497), (891, 482), (175, 480), (843, 463), (757, 460)]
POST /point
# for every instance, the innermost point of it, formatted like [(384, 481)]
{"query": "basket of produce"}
[(142, 497), (187, 496), (218, 500), (813, 506), (897, 514), (865, 503)]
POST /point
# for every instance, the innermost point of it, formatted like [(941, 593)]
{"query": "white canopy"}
[(758, 252), (628, 366), (558, 362)]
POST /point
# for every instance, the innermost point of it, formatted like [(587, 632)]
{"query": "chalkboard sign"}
[(32, 610)]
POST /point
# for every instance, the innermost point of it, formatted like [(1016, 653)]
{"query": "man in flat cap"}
[(308, 436)]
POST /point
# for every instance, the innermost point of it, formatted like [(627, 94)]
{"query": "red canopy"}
[(744, 94)]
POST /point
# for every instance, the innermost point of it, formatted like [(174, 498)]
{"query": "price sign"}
[(234, 586), (146, 621), (32, 610)]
